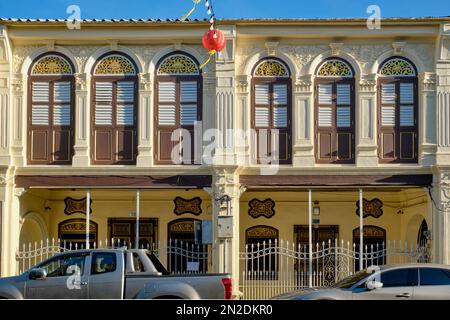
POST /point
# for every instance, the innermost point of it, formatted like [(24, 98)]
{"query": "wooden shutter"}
[(334, 121), (62, 120), (398, 120), (115, 113), (51, 120), (271, 120), (178, 101)]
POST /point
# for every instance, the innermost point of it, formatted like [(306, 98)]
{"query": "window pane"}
[(125, 115), (261, 117), (325, 93), (343, 94), (39, 115), (166, 115), (125, 91), (61, 115), (406, 93), (261, 94), (64, 266), (388, 116), (407, 116), (62, 91), (167, 91), (434, 277), (325, 117), (103, 115), (343, 117), (395, 278), (103, 92), (280, 117), (189, 91), (280, 94), (40, 92), (188, 115), (103, 263), (388, 93)]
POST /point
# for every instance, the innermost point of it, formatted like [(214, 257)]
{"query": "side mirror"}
[(38, 274), (373, 285)]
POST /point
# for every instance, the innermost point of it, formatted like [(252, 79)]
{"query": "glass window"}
[(64, 265), (138, 266), (396, 278), (434, 277), (103, 263)]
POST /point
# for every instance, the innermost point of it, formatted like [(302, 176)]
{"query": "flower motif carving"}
[(178, 64), (397, 67), (115, 64), (335, 68), (51, 65), (271, 68)]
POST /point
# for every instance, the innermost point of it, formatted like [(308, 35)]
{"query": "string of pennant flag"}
[(213, 40)]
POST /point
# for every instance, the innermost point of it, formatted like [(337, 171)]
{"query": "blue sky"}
[(224, 8)]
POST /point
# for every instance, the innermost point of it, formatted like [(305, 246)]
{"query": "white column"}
[(310, 237), (361, 229), (88, 217), (18, 120), (82, 123), (366, 121), (145, 122), (138, 196), (303, 122)]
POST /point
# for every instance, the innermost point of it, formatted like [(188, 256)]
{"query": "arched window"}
[(114, 110), (271, 112), (179, 106), (398, 111), (51, 110), (261, 262), (335, 112)]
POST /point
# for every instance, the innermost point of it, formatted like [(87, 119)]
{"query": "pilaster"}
[(366, 121), (303, 122), (82, 123), (145, 156)]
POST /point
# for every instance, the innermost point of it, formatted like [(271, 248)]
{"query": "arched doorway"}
[(374, 239), (422, 236), (72, 233), (186, 253), (33, 229)]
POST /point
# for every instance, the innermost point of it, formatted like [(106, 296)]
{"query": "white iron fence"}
[(272, 268), (178, 256)]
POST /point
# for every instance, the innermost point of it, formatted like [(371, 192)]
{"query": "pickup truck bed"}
[(111, 274)]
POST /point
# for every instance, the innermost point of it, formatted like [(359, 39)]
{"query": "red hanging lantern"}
[(214, 41)]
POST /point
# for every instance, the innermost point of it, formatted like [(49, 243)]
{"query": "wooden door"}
[(123, 231)]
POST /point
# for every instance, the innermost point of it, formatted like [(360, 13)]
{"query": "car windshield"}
[(351, 280)]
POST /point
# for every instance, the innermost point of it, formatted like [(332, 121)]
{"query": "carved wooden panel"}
[(258, 208), (183, 206), (76, 206), (371, 208)]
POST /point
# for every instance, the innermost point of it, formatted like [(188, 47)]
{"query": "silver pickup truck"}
[(111, 274)]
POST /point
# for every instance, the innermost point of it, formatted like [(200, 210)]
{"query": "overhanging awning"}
[(416, 180), (72, 181)]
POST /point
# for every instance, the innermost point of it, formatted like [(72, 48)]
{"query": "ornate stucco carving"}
[(368, 83), (303, 84), (366, 55), (303, 54), (80, 80), (145, 82), (424, 52), (243, 53), (82, 54), (428, 80), (20, 53)]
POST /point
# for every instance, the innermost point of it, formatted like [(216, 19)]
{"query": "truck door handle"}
[(403, 295), (78, 283)]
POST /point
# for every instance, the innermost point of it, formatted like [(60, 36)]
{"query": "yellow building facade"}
[(93, 112)]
